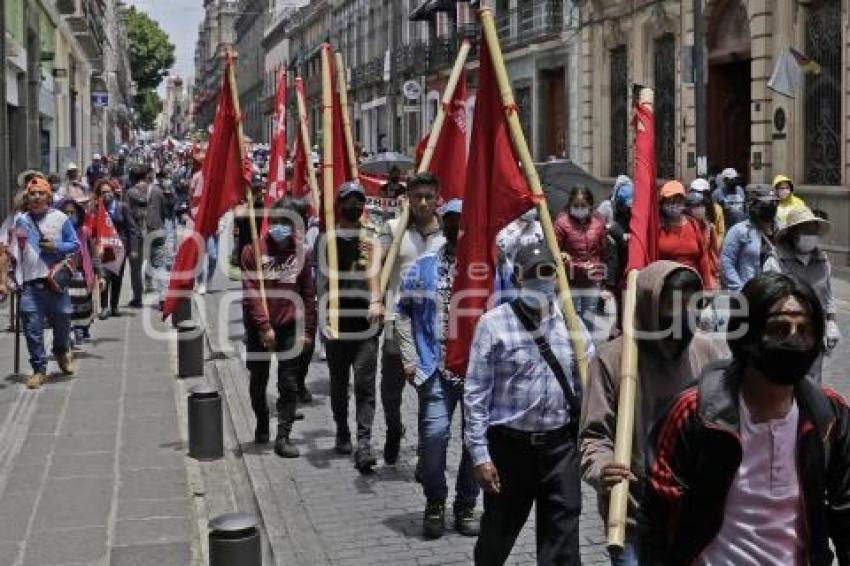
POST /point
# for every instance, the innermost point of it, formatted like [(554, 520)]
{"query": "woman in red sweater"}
[(681, 238), (581, 235)]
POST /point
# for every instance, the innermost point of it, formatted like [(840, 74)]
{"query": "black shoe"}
[(114, 312), (284, 448), (434, 519), (465, 521), (392, 447), (135, 304), (299, 416), (343, 444), (305, 397), (364, 460), (104, 314)]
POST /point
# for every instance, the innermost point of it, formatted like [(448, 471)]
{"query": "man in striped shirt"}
[(521, 420)]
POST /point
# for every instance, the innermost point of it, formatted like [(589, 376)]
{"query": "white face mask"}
[(807, 243), (783, 193), (579, 212)]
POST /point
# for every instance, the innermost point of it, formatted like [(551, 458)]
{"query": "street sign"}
[(412, 90), (100, 99)]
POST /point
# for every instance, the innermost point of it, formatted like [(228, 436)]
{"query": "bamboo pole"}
[(342, 89), (328, 192), (619, 500), (530, 171), (252, 221), (305, 139), (433, 137)]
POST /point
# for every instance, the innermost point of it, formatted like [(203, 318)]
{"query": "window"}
[(619, 114), (665, 105), (822, 163)]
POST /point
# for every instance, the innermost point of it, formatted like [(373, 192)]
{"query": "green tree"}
[(148, 106), (151, 52)]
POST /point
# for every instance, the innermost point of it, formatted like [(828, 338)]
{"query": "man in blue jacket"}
[(422, 325)]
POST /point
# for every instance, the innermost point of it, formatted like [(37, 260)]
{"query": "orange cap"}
[(39, 182), (672, 189)]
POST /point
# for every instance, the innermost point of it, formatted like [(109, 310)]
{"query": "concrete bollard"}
[(206, 432), (190, 349), (235, 540), (183, 312)]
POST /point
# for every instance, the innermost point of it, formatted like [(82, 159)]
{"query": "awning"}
[(427, 8)]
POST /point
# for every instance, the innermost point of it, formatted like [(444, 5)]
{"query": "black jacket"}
[(698, 451)]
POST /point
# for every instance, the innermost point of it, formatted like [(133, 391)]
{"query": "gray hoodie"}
[(660, 378)]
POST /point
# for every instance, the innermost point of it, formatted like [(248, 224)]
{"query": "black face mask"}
[(765, 211), (786, 361), (351, 213)]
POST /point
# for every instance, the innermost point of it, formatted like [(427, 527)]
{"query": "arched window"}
[(822, 155)]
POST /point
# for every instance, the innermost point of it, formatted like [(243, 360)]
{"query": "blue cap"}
[(454, 206), (625, 194), (351, 188)]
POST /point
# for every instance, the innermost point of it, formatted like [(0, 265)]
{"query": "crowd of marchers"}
[(739, 456)]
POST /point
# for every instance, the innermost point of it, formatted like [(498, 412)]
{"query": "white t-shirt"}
[(763, 520)]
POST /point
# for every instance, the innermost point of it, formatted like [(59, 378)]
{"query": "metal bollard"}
[(183, 312), (190, 349), (206, 433), (235, 540)]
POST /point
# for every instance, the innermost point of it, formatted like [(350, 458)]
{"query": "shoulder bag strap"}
[(550, 358)]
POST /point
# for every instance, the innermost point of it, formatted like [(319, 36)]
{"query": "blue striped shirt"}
[(508, 382)]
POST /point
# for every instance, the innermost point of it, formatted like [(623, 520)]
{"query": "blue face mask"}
[(280, 232), (537, 293)]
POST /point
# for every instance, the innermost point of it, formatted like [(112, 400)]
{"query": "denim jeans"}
[(586, 303), (438, 399), (207, 272), (629, 556), (37, 303)]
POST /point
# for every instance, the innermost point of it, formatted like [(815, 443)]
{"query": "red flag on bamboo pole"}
[(224, 180), (497, 193), (645, 224), (277, 153), (450, 155)]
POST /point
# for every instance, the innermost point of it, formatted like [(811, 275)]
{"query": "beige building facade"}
[(750, 127)]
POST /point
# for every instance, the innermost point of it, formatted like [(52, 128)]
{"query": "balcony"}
[(85, 20), (532, 22)]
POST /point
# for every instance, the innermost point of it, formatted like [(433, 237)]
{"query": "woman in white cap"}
[(731, 196), (798, 253)]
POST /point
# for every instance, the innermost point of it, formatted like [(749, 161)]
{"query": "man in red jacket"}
[(285, 325)]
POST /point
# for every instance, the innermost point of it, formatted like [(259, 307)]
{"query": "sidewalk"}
[(92, 467), (318, 509)]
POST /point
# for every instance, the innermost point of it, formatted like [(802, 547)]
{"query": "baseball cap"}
[(672, 189), (96, 156), (351, 188), (763, 193), (530, 257), (454, 206), (72, 167), (729, 173), (699, 186)]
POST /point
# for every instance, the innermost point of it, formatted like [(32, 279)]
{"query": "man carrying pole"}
[(527, 359)]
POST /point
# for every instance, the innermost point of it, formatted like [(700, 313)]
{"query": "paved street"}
[(92, 468)]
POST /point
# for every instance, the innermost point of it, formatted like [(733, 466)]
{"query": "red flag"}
[(448, 163), (277, 153), (107, 240), (644, 225), (300, 176), (339, 165), (224, 183), (497, 193)]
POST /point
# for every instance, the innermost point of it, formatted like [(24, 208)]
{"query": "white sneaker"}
[(202, 289)]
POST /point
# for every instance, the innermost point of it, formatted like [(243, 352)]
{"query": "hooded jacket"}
[(791, 201), (660, 378), (698, 452)]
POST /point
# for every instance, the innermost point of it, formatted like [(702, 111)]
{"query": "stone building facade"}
[(216, 34), (750, 127)]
